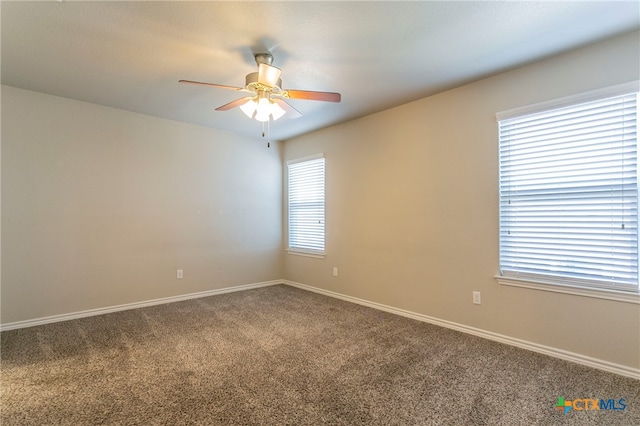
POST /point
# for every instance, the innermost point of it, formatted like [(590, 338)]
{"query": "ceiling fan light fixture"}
[(249, 108), (263, 109), (276, 111)]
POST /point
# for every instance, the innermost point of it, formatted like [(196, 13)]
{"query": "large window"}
[(569, 193), (306, 205)]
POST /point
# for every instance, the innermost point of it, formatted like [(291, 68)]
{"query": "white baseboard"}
[(610, 367), (134, 305)]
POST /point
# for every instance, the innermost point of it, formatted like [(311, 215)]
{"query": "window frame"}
[(540, 283), (301, 251)]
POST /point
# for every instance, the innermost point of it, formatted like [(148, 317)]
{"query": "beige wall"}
[(412, 209), (101, 206)]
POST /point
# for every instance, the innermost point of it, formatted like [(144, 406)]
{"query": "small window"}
[(306, 205), (569, 194)]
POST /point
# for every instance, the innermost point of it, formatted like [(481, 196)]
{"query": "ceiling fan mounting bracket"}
[(263, 58)]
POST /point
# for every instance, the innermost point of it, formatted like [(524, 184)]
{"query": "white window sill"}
[(316, 255), (619, 296)]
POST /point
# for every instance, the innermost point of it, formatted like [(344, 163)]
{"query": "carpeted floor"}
[(283, 356)]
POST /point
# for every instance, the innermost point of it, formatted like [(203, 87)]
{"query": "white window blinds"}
[(569, 194), (306, 205)]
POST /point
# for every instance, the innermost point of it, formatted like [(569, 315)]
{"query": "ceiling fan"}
[(266, 97)]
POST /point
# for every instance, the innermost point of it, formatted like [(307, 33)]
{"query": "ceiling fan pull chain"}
[(269, 132)]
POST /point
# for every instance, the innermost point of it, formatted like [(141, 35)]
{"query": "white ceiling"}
[(130, 55)]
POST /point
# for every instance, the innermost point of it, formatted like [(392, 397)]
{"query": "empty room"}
[(309, 213)]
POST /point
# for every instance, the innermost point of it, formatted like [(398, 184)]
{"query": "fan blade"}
[(291, 111), (233, 104), (221, 86), (268, 75), (314, 96)]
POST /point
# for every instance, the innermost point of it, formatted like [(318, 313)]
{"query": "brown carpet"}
[(283, 356)]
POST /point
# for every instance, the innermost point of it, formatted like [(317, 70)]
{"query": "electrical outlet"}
[(179, 274), (335, 271), (476, 298)]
